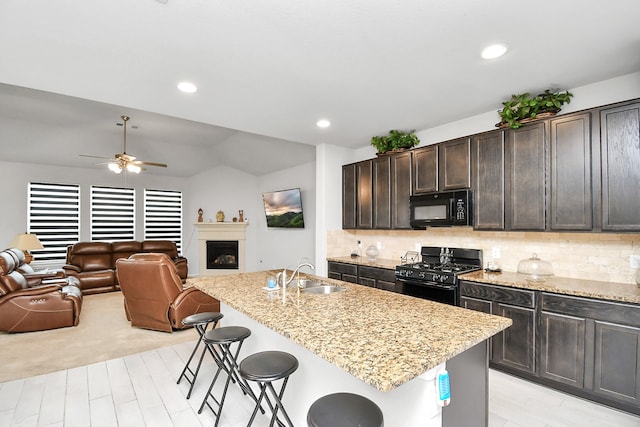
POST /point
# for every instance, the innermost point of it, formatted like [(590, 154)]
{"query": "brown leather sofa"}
[(35, 302), (153, 294), (94, 263)]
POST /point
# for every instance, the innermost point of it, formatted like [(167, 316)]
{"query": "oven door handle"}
[(428, 284)]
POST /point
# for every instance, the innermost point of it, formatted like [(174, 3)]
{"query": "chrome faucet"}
[(286, 282)]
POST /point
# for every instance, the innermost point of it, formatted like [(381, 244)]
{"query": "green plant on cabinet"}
[(395, 141), (524, 107)]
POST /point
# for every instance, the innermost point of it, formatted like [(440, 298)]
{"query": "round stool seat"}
[(227, 335), (268, 366), (201, 318), (344, 410)]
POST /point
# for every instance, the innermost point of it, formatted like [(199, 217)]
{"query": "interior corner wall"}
[(15, 177), (221, 189), (284, 247), (329, 161)]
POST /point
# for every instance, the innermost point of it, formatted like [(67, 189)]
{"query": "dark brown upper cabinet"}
[(455, 165), (382, 192), (364, 201), (574, 172), (620, 151), (487, 167), (525, 178), (349, 196), (400, 190), (442, 167), (425, 169), (375, 193), (571, 178)]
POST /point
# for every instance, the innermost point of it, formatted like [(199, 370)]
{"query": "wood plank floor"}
[(141, 390)]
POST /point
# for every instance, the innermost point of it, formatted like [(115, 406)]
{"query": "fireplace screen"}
[(222, 254)]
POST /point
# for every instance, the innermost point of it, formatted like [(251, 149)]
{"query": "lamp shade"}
[(26, 242)]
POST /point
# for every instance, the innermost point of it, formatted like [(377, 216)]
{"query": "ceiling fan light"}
[(133, 168), (114, 167)]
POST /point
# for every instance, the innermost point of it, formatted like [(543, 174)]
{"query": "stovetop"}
[(438, 269), (444, 268)]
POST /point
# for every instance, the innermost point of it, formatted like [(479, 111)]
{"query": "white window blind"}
[(163, 216), (54, 216), (113, 214)]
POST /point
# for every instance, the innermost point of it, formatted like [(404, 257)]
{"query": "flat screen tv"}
[(283, 208)]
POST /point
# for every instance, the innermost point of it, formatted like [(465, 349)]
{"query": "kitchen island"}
[(385, 346)]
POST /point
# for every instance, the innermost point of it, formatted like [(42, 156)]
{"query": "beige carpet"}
[(103, 333)]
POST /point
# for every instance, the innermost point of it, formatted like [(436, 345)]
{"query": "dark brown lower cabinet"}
[(375, 277), (342, 271), (616, 362), (562, 348), (584, 346), (513, 348)]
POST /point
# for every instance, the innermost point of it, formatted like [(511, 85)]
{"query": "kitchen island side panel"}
[(413, 404)]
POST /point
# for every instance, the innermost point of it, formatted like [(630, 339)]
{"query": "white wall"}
[(584, 97), (15, 177), (279, 248), (227, 189), (221, 189)]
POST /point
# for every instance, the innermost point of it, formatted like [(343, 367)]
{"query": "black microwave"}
[(443, 209)]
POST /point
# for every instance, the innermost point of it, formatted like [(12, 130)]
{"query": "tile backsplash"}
[(592, 256)]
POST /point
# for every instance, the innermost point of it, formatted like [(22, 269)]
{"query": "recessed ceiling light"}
[(323, 123), (494, 51), (187, 87)]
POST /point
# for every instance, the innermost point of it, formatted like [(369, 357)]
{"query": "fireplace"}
[(225, 233), (222, 254)]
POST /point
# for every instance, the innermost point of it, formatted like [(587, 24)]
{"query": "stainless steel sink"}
[(323, 289), (308, 283)]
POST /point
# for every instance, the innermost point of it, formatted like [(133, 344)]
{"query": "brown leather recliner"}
[(47, 304), (153, 293)]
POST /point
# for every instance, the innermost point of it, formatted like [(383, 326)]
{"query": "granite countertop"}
[(389, 264), (612, 291), (621, 292), (383, 338)]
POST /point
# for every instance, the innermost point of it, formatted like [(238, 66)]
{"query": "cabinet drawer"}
[(626, 314), (500, 294), (376, 273), (339, 267)]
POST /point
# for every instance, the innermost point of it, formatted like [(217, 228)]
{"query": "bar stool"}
[(227, 361), (265, 368), (200, 322), (344, 410)]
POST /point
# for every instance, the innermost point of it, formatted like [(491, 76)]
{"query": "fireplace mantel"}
[(221, 231)]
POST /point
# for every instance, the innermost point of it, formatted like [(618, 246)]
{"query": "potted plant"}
[(395, 141), (523, 108)]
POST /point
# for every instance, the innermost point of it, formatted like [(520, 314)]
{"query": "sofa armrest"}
[(39, 276), (70, 268)]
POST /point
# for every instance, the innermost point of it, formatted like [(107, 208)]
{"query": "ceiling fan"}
[(122, 161)]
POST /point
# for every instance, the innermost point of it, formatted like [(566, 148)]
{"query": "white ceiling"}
[(268, 70)]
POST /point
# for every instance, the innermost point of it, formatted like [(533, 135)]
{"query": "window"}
[(54, 216), (112, 214), (163, 216)]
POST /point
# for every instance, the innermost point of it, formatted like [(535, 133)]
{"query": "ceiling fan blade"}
[(95, 157), (138, 162)]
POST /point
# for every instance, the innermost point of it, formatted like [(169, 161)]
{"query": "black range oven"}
[(435, 277)]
